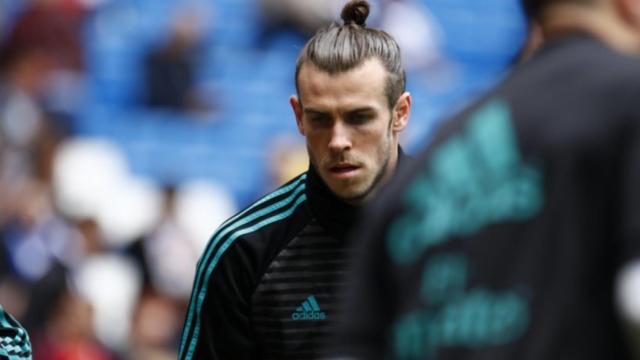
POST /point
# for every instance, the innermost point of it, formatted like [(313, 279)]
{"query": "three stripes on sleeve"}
[(274, 207)]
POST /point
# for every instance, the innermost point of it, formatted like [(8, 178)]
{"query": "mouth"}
[(344, 170)]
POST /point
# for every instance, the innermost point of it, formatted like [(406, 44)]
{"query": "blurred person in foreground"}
[(14, 340), (268, 282), (508, 235)]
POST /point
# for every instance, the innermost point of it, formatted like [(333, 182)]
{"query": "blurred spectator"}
[(49, 31), (44, 56), (42, 45), (169, 254), (416, 31), (68, 334), (301, 16), (170, 69), (39, 246), (35, 242), (36, 237), (288, 158), (110, 283), (421, 39), (155, 328)]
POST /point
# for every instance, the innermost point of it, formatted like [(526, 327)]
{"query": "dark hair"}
[(340, 48), (533, 8)]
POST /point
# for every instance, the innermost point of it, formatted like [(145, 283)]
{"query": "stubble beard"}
[(376, 183), (363, 196)]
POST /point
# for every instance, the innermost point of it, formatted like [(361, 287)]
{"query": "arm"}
[(218, 320)]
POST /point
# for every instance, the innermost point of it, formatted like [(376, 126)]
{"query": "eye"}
[(360, 118), (318, 119)]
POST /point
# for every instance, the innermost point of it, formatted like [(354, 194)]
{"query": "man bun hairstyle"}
[(340, 48), (355, 12)]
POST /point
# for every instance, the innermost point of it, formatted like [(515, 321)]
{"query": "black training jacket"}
[(267, 285)]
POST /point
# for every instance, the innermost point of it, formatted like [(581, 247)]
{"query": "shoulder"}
[(271, 209), (588, 66), (248, 235), (606, 81)]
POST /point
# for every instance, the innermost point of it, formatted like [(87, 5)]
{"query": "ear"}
[(401, 112), (629, 11), (296, 105)]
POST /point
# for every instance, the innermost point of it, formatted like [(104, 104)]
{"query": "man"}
[(14, 341), (268, 282), (506, 238)]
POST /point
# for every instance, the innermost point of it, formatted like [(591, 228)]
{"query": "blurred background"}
[(130, 129)]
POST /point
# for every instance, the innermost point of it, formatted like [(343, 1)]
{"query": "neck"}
[(599, 19), (333, 213)]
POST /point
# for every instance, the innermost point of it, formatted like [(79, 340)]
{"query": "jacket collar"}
[(333, 213)]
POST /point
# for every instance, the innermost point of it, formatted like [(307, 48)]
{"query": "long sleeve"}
[(218, 321)]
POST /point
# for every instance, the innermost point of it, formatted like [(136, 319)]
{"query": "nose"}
[(340, 138)]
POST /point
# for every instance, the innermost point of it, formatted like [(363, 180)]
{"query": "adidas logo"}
[(309, 310)]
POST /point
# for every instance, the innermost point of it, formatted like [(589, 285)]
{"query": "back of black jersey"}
[(505, 240)]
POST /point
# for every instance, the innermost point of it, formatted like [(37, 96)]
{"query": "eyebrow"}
[(356, 110), (313, 111), (362, 109)]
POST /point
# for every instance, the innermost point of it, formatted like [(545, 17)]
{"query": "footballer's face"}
[(351, 132)]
